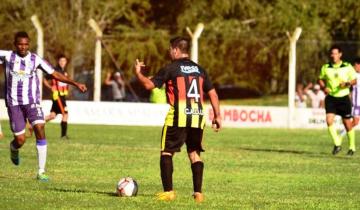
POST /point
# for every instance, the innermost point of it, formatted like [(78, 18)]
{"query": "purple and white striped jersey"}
[(22, 85)]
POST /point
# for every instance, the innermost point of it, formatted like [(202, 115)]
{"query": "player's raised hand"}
[(138, 66), (216, 124), (81, 87)]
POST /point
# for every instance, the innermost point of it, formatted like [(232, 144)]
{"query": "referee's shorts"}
[(173, 138), (339, 106)]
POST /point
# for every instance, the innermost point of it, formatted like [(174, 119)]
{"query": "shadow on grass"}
[(82, 191), (313, 154), (113, 194)]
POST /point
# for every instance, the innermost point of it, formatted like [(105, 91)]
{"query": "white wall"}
[(117, 113)]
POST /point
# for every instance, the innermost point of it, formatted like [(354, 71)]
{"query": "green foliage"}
[(244, 169), (244, 42)]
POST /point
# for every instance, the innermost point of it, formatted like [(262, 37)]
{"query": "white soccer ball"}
[(127, 187)]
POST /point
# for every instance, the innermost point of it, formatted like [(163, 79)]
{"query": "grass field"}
[(244, 169)]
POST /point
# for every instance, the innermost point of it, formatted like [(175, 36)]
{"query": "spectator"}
[(300, 97), (117, 86), (316, 95)]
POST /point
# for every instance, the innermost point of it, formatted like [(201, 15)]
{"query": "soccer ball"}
[(127, 187)]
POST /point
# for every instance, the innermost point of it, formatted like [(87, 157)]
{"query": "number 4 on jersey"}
[(193, 91)]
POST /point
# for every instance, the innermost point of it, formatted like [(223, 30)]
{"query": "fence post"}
[(292, 75), (194, 41), (40, 46), (97, 68)]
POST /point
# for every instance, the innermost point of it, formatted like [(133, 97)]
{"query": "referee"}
[(336, 78)]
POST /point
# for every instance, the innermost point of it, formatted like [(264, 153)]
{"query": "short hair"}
[(21, 34), (335, 46), (182, 43), (61, 56), (357, 60)]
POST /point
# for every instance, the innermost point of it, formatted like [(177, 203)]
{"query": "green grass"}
[(244, 169)]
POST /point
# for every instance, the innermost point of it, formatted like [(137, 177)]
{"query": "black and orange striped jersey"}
[(186, 82), (58, 88)]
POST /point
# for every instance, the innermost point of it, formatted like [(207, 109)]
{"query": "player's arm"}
[(47, 84), (108, 79), (348, 84), (214, 100), (63, 78), (43, 65), (146, 82), (323, 87)]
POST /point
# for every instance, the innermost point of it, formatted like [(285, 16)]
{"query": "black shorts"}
[(174, 137), (59, 106), (338, 105)]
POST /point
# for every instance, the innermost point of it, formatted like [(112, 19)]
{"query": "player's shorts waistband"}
[(338, 98)]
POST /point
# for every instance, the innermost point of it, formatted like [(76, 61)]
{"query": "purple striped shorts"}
[(20, 113)]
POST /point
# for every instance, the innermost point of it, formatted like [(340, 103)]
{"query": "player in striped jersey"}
[(186, 83), (355, 99), (59, 92), (22, 97)]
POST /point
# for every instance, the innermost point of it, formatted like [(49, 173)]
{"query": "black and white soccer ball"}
[(127, 187)]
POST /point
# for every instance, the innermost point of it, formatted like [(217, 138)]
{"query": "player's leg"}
[(51, 116), (194, 147), (344, 109), (62, 109), (331, 109), (17, 125), (171, 141), (64, 120), (355, 121), (166, 169), (330, 118), (36, 118), (350, 134)]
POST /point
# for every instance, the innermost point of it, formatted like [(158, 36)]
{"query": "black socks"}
[(63, 128), (197, 169), (166, 167)]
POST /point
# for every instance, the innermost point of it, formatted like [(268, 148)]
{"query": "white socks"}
[(41, 147)]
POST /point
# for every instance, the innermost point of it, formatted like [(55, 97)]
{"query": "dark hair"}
[(182, 43), (21, 34), (61, 56), (357, 60), (336, 47)]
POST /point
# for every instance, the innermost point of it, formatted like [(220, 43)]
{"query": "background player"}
[(355, 98), (22, 97), (59, 92), (186, 83), (335, 79)]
